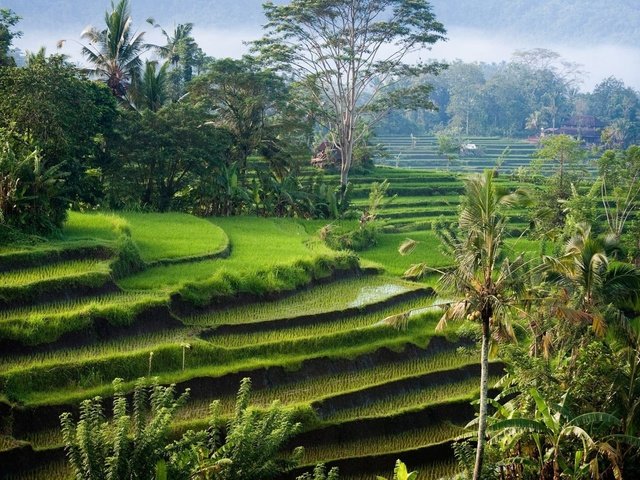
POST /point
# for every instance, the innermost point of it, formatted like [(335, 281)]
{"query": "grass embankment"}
[(167, 237), (270, 242), (65, 383)]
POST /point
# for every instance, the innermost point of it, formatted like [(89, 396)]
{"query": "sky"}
[(463, 43)]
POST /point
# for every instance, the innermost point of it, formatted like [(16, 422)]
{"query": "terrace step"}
[(268, 383), (55, 281), (455, 412), (316, 318), (37, 257), (357, 401)]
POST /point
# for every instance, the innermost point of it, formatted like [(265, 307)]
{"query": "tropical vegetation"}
[(163, 224)]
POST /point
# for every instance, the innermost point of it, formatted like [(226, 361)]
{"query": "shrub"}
[(249, 446), (128, 446)]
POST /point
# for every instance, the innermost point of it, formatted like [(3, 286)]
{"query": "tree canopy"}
[(349, 54)]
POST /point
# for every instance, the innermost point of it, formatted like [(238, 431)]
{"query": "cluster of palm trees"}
[(115, 54), (566, 302)]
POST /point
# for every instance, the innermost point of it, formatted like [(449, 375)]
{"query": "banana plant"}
[(400, 472), (551, 430)]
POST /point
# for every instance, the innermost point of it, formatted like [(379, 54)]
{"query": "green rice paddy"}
[(312, 344)]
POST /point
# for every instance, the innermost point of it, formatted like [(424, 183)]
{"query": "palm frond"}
[(407, 247), (601, 418), (399, 321), (416, 271)]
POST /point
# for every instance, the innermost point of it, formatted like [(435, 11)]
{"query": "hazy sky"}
[(466, 44)]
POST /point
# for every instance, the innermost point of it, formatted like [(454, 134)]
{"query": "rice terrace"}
[(321, 260)]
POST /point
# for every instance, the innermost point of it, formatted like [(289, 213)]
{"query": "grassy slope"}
[(166, 236), (272, 241)]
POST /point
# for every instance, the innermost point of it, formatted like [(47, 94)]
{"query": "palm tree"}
[(180, 51), (179, 44), (492, 285), (115, 51), (593, 286), (150, 91)]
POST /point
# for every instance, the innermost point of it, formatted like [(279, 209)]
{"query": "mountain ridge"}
[(574, 21)]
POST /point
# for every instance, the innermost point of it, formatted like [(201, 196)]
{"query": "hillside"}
[(567, 21)]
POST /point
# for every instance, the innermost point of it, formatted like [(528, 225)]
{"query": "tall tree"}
[(180, 50), (162, 153), (352, 54), (150, 91), (465, 103), (115, 51), (564, 154), (8, 20), (490, 282), (245, 99)]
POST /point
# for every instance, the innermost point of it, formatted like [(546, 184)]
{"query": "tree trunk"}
[(484, 387), (346, 153)]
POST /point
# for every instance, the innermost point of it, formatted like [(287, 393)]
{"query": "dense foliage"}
[(536, 89), (133, 443), (55, 125)]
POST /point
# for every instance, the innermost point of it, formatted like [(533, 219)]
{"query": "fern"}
[(124, 448)]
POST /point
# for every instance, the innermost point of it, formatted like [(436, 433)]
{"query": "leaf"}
[(630, 440), (407, 247), (417, 271), (595, 417), (519, 424)]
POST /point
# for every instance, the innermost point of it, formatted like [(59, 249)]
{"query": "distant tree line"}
[(536, 89)]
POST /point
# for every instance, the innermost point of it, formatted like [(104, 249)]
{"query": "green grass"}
[(84, 379), (331, 297), (331, 384), (169, 236), (382, 444), (386, 253), (102, 226), (347, 323), (306, 391), (412, 399), (272, 241), (57, 271), (97, 350)]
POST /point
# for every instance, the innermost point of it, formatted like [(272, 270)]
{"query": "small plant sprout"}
[(150, 362), (400, 472), (185, 346)]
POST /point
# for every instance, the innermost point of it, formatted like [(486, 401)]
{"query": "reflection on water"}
[(374, 294)]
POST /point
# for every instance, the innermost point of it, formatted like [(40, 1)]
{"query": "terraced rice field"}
[(221, 299), (403, 152), (504, 154)]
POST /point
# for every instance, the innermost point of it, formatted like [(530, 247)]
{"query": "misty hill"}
[(577, 22), (569, 21)]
